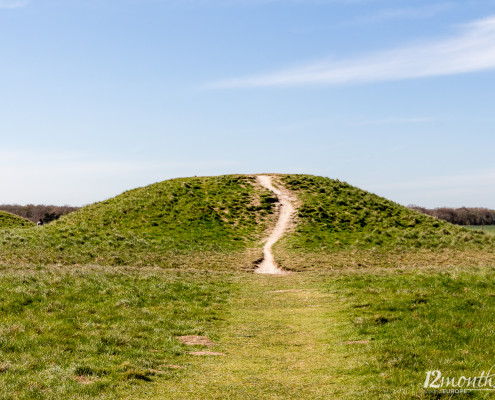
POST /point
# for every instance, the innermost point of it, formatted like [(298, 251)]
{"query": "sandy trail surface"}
[(268, 265)]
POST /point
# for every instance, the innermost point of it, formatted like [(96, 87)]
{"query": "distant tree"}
[(460, 216), (34, 213), (49, 217)]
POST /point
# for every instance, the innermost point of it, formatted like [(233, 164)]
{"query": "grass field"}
[(94, 333), (92, 306), (348, 335)]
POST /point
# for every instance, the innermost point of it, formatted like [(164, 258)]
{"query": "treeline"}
[(37, 212), (460, 216)]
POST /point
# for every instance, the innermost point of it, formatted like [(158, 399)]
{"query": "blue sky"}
[(101, 96)]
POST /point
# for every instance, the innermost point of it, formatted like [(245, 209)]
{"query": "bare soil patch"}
[(83, 380), (206, 353), (194, 340)]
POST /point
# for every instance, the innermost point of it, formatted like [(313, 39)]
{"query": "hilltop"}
[(219, 222), (8, 220)]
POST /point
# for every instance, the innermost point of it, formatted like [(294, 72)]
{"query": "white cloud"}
[(426, 11), (471, 50), (13, 3)]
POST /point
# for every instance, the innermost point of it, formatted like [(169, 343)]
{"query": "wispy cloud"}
[(426, 11), (398, 120), (13, 3), (472, 49)]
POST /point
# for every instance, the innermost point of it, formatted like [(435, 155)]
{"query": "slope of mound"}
[(335, 215), (8, 220), (338, 225), (204, 218)]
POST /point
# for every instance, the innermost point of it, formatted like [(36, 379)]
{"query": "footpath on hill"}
[(269, 265), (276, 343)]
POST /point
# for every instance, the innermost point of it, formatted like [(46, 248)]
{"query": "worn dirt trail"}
[(268, 265)]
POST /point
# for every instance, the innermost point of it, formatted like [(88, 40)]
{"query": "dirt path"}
[(268, 265)]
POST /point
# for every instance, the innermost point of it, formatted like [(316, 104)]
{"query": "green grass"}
[(9, 221), (335, 216), (416, 321), (279, 342), (89, 307), (93, 332), (218, 222), (97, 333), (192, 221), (339, 225), (348, 335)]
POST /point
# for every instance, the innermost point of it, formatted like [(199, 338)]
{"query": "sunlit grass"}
[(415, 321), (91, 305), (335, 215), (8, 220), (80, 332), (210, 221)]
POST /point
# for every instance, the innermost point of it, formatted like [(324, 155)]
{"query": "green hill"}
[(8, 220), (351, 327), (218, 222), (178, 222)]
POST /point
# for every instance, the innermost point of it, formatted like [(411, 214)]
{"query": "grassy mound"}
[(88, 331), (335, 214), (335, 217), (8, 220), (212, 222), (172, 223)]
